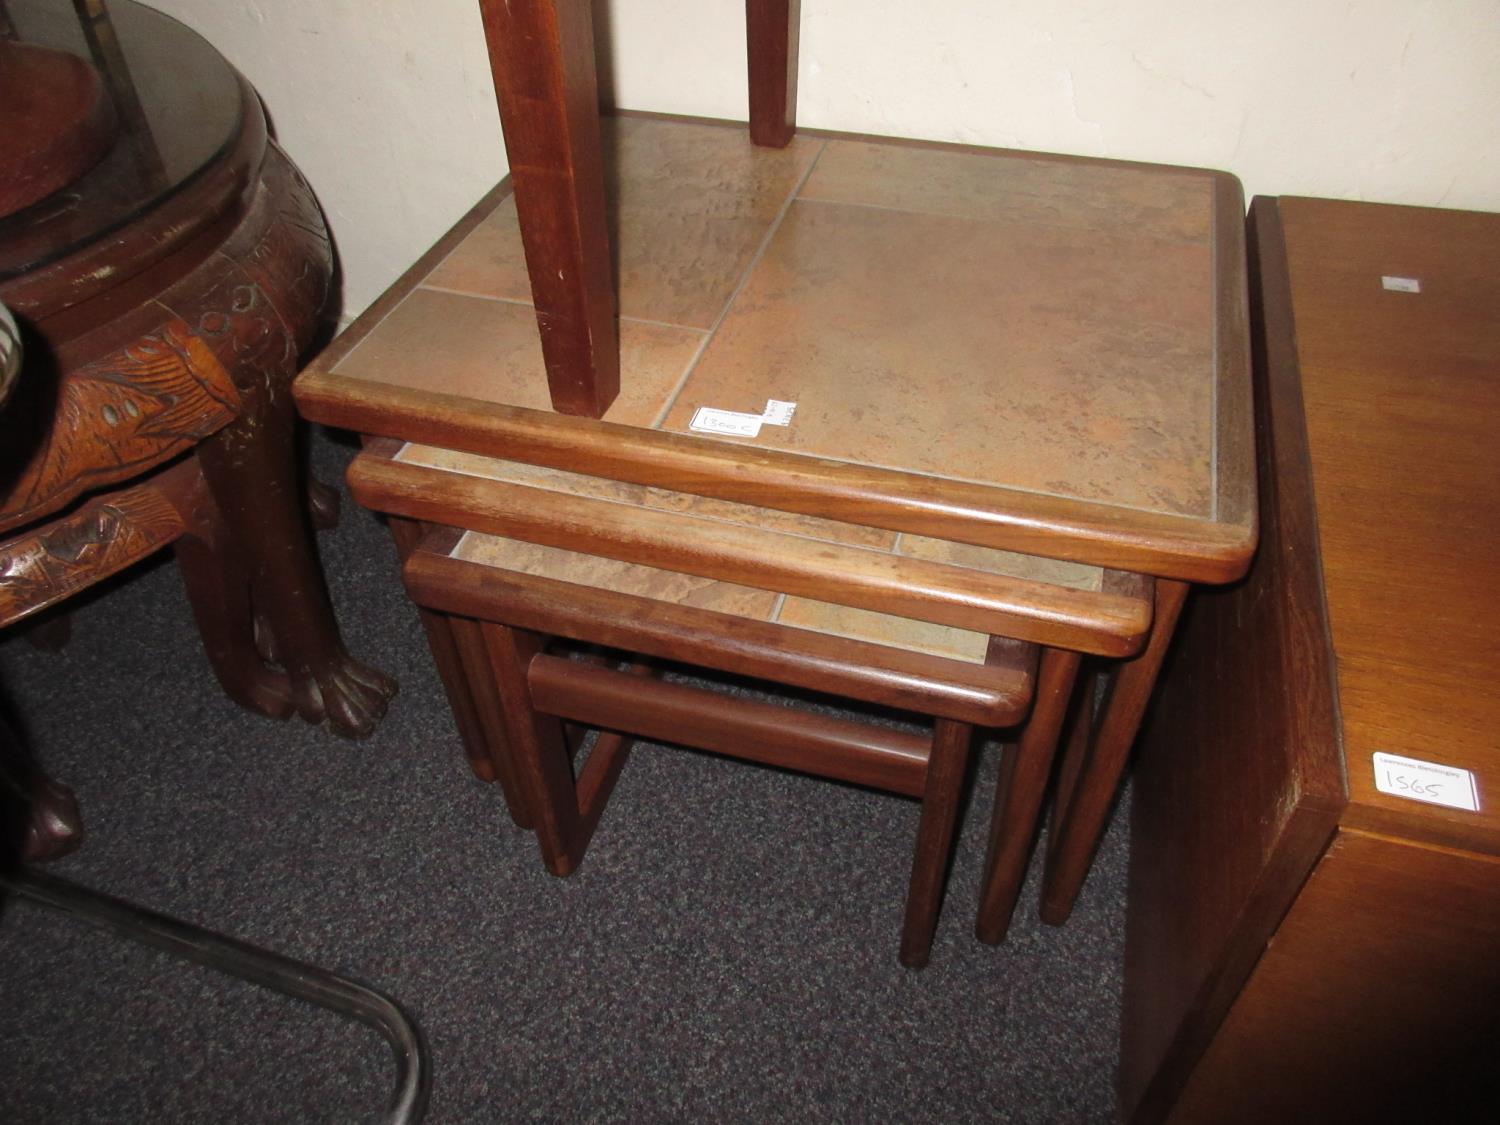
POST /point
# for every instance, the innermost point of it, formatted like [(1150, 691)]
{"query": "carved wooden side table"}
[(165, 297)]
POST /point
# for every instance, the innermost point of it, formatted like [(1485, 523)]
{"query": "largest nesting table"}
[(1000, 362)]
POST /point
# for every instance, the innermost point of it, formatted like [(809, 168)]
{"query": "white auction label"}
[(1401, 284), (778, 413), (1426, 781), (707, 420)]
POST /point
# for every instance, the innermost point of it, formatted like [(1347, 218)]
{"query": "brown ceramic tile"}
[(489, 262), (1155, 203), (689, 206), (1054, 571), (477, 347), (1035, 357), (883, 629), (609, 574)]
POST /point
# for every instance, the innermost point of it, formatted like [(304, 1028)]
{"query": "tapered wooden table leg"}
[(1022, 783), (945, 778), (1076, 828), (538, 748), (475, 677), (458, 651)]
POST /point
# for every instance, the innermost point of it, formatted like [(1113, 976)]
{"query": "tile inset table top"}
[(1062, 328)]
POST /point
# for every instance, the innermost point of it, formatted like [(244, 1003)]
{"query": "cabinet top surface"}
[(1065, 332), (1397, 319)]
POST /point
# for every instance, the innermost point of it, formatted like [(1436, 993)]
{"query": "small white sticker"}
[(1426, 781), (1401, 284), (707, 420), (778, 413)]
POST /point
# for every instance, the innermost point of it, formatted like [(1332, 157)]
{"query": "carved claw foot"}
[(323, 502), (56, 826), (265, 640), (348, 697)]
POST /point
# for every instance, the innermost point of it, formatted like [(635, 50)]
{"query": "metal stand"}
[(260, 966)]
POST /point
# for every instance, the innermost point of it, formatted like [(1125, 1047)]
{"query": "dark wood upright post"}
[(542, 58), (771, 28), (1078, 824)]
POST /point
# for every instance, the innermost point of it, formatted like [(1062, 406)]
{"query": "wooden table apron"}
[(1174, 550)]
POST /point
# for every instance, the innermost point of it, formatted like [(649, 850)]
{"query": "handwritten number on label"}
[(1402, 782)]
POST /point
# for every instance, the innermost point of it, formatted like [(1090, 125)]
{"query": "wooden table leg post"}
[(945, 778), (1024, 770), (1076, 827), (772, 28), (465, 673), (542, 58), (540, 752), (474, 676)]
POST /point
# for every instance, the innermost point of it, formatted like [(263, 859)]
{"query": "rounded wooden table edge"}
[(1165, 546)]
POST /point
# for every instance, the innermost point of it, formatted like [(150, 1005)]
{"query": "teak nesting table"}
[(1017, 399)]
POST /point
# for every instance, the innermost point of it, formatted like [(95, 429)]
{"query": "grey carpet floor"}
[(726, 953)]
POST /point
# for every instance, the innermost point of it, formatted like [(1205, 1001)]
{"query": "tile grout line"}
[(739, 288), (422, 283), (519, 303)]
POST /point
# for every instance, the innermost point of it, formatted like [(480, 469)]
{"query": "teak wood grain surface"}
[(1403, 402), (1299, 943)]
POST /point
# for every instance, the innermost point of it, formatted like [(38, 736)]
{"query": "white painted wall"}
[(387, 106)]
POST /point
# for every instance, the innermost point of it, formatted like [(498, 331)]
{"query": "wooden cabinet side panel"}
[(1238, 777), (1379, 1000)]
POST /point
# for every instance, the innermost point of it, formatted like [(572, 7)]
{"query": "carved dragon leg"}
[(323, 505), (255, 316), (250, 468), (217, 581)]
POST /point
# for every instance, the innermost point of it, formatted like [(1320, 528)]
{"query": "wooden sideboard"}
[(1302, 945)]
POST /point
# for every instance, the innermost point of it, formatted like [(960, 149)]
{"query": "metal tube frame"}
[(259, 966)]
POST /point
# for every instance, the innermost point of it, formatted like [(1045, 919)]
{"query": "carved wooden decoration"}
[(68, 555), (120, 415)]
